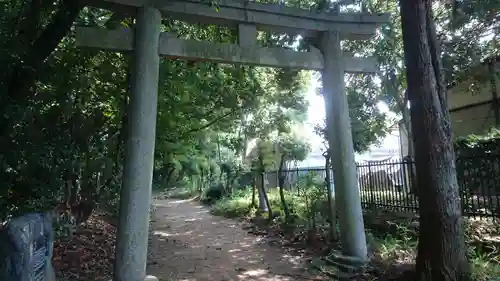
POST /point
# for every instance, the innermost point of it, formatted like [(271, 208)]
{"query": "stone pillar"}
[(135, 200), (339, 136)]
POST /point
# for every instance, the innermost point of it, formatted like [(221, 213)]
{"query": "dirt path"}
[(190, 244)]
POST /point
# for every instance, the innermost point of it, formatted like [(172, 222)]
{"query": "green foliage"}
[(64, 124), (468, 32), (368, 123), (394, 246), (310, 204), (237, 205), (397, 243), (392, 241), (213, 194), (477, 166), (474, 145), (63, 128), (291, 147), (64, 115)]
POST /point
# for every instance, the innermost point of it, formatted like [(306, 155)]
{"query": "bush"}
[(395, 242), (478, 145), (477, 164), (237, 205), (213, 194)]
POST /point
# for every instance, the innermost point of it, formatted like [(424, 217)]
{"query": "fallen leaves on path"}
[(89, 254)]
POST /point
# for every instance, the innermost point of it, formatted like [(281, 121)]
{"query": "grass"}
[(395, 244), (237, 205)]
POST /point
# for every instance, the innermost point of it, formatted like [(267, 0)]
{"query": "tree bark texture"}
[(441, 248), (281, 186), (265, 198)]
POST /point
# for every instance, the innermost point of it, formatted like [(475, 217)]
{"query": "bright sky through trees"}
[(316, 114)]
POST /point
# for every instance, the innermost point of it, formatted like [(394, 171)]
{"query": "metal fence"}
[(391, 185), (293, 178), (387, 185)]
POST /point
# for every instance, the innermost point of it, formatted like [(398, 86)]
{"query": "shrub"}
[(237, 205), (478, 167), (213, 194)]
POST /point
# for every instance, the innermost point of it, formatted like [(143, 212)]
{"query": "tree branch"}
[(24, 74), (209, 123), (435, 52), (29, 20), (20, 76)]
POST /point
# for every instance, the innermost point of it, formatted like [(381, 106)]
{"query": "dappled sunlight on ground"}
[(189, 244)]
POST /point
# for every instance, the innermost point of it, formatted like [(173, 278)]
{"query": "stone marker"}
[(26, 245)]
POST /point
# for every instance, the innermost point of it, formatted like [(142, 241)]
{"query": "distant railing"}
[(387, 185), (390, 185)]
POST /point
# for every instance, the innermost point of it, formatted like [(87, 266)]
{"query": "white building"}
[(389, 147)]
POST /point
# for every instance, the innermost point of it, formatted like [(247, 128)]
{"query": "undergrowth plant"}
[(397, 244)]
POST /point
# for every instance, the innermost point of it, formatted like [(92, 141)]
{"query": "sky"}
[(316, 114)]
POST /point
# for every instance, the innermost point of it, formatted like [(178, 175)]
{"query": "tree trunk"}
[(441, 248), (281, 183), (20, 76), (494, 70), (263, 200), (268, 204), (201, 181), (254, 189), (170, 172), (407, 123), (331, 200)]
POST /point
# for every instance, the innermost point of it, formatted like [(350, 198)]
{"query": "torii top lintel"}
[(356, 26)]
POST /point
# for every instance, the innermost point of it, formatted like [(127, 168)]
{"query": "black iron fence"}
[(391, 185), (387, 185)]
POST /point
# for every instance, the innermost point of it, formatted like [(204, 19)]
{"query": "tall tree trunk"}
[(441, 248), (201, 181), (494, 70), (281, 183), (254, 189), (170, 172), (264, 204), (268, 203), (263, 200)]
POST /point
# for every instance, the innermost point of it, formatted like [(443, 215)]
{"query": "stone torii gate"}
[(147, 43)]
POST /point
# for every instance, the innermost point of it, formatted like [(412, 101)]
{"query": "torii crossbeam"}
[(147, 43)]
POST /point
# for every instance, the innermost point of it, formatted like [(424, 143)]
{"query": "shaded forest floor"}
[(89, 254), (188, 243)]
